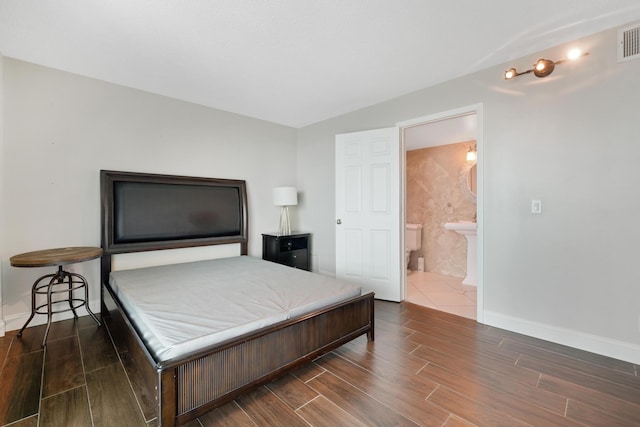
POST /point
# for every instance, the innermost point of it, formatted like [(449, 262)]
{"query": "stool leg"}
[(54, 279), (33, 307), (86, 296), (33, 301), (69, 276)]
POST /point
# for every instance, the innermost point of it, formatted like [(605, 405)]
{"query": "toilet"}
[(412, 240)]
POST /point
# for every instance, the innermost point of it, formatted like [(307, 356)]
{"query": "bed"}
[(191, 344)]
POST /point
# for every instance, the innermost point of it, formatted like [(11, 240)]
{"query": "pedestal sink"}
[(469, 230)]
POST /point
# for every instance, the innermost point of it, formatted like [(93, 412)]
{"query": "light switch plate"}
[(536, 206)]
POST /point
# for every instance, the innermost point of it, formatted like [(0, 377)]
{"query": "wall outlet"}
[(536, 206)]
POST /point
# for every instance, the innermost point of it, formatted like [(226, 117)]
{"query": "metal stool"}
[(61, 282)]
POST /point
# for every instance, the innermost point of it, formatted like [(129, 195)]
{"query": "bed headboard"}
[(143, 212)]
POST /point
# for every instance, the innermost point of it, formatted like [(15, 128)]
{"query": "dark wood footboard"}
[(198, 382)]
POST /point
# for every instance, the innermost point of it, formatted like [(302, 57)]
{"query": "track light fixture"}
[(544, 67)]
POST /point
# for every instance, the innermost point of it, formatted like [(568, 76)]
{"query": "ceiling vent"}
[(629, 43)]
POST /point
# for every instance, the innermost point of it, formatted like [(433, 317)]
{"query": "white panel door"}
[(368, 211)]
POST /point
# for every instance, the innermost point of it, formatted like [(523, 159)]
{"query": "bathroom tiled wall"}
[(435, 196)]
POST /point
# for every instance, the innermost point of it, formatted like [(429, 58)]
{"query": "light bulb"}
[(472, 155), (543, 68), (510, 73), (574, 54)]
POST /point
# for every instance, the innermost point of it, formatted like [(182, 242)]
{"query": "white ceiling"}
[(293, 62)]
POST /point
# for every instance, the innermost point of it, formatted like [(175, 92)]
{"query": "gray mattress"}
[(181, 308)]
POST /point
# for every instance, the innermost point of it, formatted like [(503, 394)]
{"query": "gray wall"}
[(570, 140), (61, 129)]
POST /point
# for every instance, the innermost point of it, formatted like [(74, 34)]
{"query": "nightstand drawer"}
[(295, 258), (292, 243)]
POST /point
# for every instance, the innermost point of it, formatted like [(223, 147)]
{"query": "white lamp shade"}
[(285, 196), (471, 156)]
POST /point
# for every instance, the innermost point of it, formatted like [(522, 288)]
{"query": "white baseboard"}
[(15, 322), (596, 344), (2, 328)]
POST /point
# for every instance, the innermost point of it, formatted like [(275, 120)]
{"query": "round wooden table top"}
[(58, 256)]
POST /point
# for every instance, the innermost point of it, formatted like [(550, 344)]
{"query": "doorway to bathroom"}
[(442, 184)]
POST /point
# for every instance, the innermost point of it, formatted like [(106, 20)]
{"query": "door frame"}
[(431, 118)]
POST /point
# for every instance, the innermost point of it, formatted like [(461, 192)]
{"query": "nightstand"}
[(291, 250)]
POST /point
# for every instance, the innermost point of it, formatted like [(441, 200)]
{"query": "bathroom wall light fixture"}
[(544, 67), (472, 154)]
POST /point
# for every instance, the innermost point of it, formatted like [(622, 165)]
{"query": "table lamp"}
[(285, 197)]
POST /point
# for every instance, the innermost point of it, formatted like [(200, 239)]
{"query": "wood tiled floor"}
[(425, 368)]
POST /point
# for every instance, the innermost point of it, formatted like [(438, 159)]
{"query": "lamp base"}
[(285, 226)]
